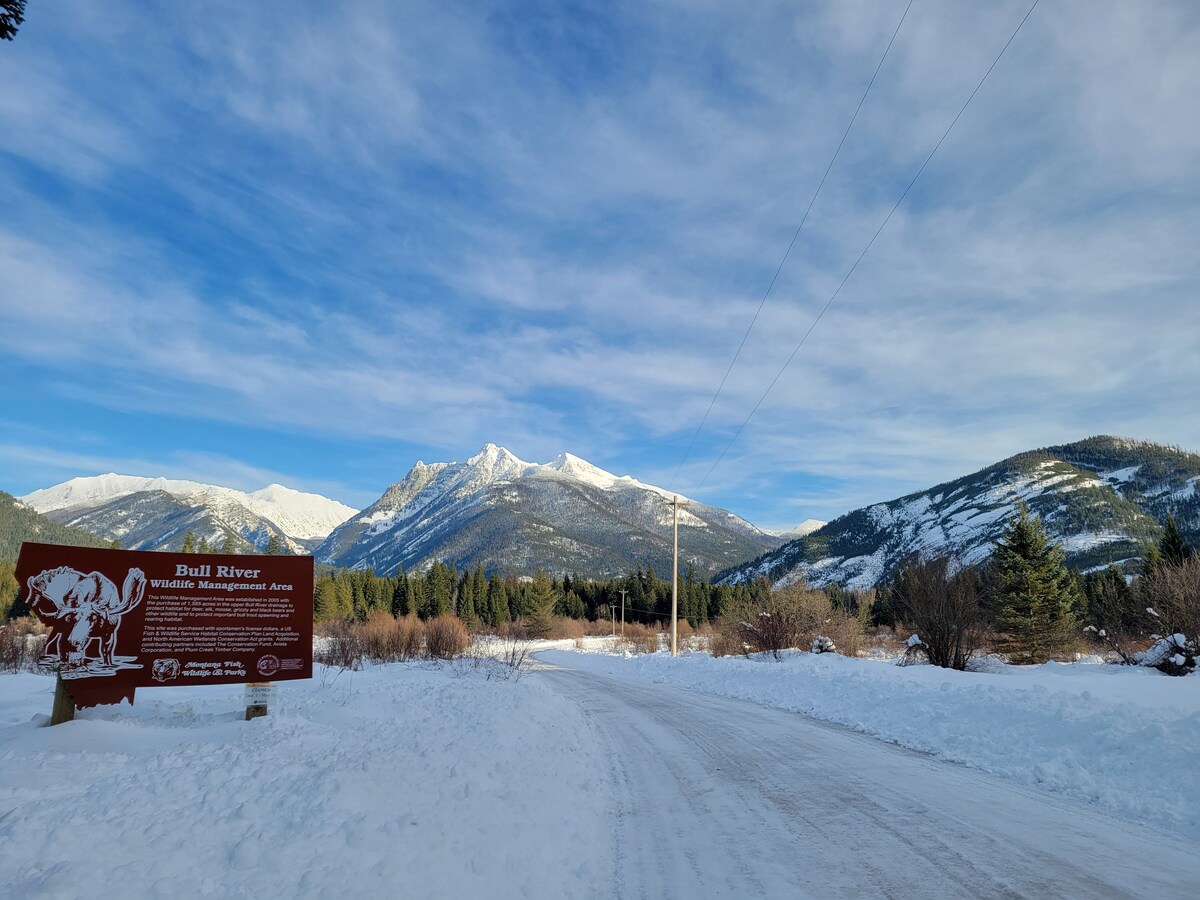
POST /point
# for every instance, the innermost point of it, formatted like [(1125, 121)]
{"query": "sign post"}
[(124, 619), (260, 696)]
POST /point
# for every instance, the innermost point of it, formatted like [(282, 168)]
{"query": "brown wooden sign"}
[(124, 619)]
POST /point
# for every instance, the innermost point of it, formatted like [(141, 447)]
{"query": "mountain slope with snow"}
[(1103, 498), (512, 516), (152, 513)]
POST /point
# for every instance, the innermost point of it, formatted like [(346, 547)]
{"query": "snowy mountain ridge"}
[(300, 515), (1102, 498), (149, 512), (507, 514)]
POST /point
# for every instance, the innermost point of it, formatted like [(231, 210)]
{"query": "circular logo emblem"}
[(268, 664)]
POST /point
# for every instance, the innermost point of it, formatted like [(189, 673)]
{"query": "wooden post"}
[(675, 581), (64, 703)]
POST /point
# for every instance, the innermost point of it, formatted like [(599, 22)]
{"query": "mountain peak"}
[(506, 514), (298, 515)]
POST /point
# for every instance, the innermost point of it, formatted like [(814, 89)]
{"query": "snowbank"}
[(397, 781), (1123, 738)]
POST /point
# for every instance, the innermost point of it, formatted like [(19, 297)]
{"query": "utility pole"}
[(675, 581), (623, 593), (612, 611)]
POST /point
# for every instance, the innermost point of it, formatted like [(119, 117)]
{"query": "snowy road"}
[(723, 798)]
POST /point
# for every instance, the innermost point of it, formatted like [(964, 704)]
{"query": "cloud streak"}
[(437, 225)]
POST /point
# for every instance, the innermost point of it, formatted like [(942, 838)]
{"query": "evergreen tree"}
[(440, 590), (418, 602), (324, 599), (202, 547), (228, 546), (12, 14), (189, 542), (1171, 546), (497, 601), (1151, 561), (1035, 594), (374, 597), (542, 600), (274, 546), (467, 608), (401, 595)]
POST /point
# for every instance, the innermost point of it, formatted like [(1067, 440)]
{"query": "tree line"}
[(1024, 602), (488, 601)]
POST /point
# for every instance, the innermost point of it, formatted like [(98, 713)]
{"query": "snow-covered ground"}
[(1125, 739), (397, 781), (597, 775)]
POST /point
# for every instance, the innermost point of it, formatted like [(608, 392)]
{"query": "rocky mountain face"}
[(1103, 498), (511, 516), (156, 513)]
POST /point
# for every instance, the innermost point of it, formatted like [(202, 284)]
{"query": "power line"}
[(871, 242), (737, 353)]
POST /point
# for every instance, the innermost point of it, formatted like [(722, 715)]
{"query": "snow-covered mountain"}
[(808, 526), (1103, 498), (509, 515), (149, 513)]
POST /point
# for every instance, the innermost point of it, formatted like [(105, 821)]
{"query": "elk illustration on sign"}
[(82, 608)]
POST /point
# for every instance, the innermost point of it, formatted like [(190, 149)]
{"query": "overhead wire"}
[(870, 243), (737, 353)]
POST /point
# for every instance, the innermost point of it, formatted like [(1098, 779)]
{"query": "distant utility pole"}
[(612, 611), (675, 580), (623, 593)]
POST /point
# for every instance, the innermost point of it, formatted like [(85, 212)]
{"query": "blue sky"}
[(312, 243)]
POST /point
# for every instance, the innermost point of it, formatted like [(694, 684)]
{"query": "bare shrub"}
[(942, 608), (22, 643), (512, 630), (846, 633), (599, 628), (1172, 594), (883, 642), (340, 645), (639, 638), (388, 639), (564, 628), (515, 656), (446, 637), (727, 640), (1116, 615), (785, 618)]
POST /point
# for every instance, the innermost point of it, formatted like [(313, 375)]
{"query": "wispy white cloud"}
[(549, 227)]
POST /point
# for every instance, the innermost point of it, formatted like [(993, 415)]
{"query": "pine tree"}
[(325, 599), (274, 546), (202, 547), (1171, 546), (542, 600), (402, 595), (228, 546), (417, 602), (1151, 561), (440, 584), (189, 542), (466, 599), (12, 14), (497, 601), (1034, 593)]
